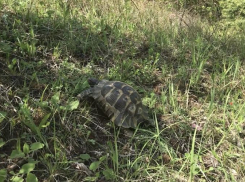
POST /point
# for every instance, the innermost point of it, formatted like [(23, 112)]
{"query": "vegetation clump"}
[(187, 66)]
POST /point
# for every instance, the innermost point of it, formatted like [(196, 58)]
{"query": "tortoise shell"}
[(120, 102)]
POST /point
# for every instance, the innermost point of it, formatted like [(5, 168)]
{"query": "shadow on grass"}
[(41, 56)]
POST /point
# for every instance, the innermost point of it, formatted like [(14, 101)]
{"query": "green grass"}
[(190, 73)]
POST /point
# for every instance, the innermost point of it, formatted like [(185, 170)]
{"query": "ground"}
[(188, 71)]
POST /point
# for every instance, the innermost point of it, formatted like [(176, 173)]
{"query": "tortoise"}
[(119, 101)]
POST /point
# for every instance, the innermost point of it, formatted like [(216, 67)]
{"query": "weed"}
[(189, 72)]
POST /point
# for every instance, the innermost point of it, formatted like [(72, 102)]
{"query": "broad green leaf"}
[(43, 104), (36, 146), (28, 121), (62, 108), (31, 178), (72, 105), (16, 154), (90, 179), (2, 115), (109, 174), (17, 179), (102, 158), (44, 122), (26, 168), (1, 142), (92, 141), (55, 99), (94, 165), (3, 174), (46, 125), (85, 156), (26, 148)]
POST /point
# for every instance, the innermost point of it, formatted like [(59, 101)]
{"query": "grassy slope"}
[(190, 74)]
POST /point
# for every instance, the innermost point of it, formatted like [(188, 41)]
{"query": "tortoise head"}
[(93, 81)]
